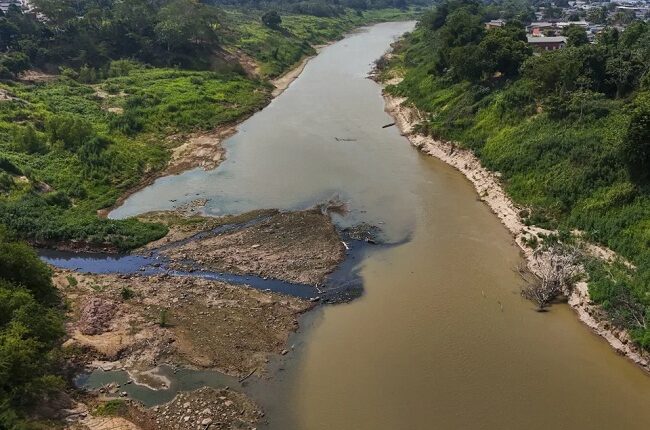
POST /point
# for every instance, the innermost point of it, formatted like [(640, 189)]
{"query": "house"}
[(547, 43), (4, 4), (540, 28), (495, 23), (565, 24)]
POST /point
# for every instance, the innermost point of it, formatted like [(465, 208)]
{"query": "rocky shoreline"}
[(135, 322), (491, 192)]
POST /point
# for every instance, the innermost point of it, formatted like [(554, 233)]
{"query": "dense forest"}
[(569, 131), (322, 8)]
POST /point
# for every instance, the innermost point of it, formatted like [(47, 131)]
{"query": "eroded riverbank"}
[(441, 338), (490, 190)]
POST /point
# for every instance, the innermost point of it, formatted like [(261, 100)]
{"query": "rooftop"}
[(546, 39)]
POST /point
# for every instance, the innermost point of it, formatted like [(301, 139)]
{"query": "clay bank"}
[(440, 338)]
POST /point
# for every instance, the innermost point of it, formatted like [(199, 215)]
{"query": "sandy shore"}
[(490, 190), (281, 83)]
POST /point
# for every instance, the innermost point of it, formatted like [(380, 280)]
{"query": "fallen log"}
[(247, 376)]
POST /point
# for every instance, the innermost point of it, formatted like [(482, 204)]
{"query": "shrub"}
[(271, 19), (69, 131), (27, 139), (126, 293)]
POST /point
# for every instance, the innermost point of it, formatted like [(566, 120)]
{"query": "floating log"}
[(388, 125)]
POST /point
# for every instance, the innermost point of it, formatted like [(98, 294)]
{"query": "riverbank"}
[(488, 186), (204, 149)]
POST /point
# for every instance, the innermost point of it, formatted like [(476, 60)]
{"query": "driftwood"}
[(248, 376), (340, 139), (388, 125), (557, 268)]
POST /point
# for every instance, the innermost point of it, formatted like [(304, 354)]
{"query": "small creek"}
[(441, 337)]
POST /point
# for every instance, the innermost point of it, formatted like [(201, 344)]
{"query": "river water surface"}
[(441, 338)]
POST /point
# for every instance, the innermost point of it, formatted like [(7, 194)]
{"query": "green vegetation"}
[(278, 48), (568, 131), (31, 326), (126, 293), (88, 156), (73, 145), (111, 408), (163, 317)]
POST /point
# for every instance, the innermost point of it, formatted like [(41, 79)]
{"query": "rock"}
[(284, 352), (206, 422), (96, 315)]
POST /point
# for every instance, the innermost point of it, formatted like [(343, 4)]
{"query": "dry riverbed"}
[(300, 247), (203, 408), (135, 322)]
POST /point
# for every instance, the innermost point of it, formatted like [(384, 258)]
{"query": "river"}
[(441, 338)]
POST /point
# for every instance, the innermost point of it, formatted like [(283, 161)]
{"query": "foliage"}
[(126, 293), (31, 326), (576, 35), (567, 130), (111, 408), (163, 317), (271, 19)]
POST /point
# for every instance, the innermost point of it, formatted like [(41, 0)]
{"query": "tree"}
[(8, 33), (576, 35), (27, 140), (505, 49), (272, 19), (636, 148), (186, 24), (597, 15), (31, 325)]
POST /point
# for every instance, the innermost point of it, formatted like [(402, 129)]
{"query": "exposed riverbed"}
[(441, 338)]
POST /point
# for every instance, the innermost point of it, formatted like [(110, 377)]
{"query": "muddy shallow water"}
[(441, 338)]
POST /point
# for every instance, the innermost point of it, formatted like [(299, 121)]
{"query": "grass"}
[(155, 103), (568, 172), (277, 50), (69, 149)]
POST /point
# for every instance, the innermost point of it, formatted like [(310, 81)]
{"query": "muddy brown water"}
[(441, 338)]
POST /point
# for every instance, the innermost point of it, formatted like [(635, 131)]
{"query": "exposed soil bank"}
[(281, 83), (490, 190), (135, 323)]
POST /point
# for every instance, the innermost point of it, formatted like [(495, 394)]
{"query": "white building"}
[(23, 4)]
